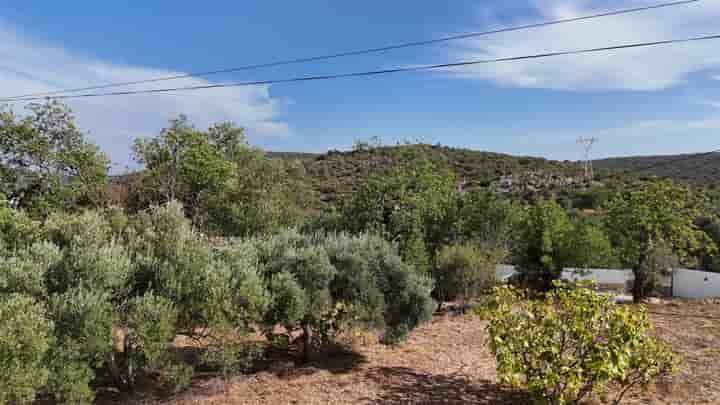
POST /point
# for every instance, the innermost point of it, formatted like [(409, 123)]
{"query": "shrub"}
[(151, 328), (464, 271), (381, 290), (25, 271), (573, 343), (85, 318), (25, 338), (17, 229), (322, 283)]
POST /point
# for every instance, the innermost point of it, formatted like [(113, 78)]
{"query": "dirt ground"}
[(447, 362)]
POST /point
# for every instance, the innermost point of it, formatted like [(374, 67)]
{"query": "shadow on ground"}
[(401, 385)]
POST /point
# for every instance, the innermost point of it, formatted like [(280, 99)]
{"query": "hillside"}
[(700, 169), (332, 176), (336, 174)]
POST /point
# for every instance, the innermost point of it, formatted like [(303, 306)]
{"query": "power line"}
[(359, 52), (380, 72)]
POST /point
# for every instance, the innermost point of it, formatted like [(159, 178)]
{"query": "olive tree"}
[(318, 284), (25, 339)]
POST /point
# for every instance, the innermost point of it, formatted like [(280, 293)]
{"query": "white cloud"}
[(631, 69), (30, 66)]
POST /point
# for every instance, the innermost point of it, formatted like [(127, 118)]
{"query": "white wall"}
[(695, 284), (600, 276)]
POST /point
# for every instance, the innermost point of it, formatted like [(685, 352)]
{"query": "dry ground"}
[(447, 362)]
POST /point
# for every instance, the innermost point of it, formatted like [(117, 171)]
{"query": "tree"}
[(488, 219), (46, 163), (588, 246), (465, 271), (225, 185), (542, 250), (656, 213), (320, 284), (574, 343), (415, 206)]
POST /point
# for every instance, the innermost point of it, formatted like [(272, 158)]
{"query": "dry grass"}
[(447, 362)]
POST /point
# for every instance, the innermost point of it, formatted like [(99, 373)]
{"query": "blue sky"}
[(643, 101)]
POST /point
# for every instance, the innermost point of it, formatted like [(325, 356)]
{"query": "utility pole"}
[(587, 144)]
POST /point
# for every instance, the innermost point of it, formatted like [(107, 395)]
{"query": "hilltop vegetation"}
[(700, 169), (334, 175)]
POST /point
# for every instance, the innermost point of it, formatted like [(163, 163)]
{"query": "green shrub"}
[(380, 290), (105, 267), (25, 270), (323, 283), (464, 271), (573, 343), (17, 229), (86, 318), (70, 374), (25, 338)]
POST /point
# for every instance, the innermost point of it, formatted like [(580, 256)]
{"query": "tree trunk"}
[(640, 270), (307, 342)]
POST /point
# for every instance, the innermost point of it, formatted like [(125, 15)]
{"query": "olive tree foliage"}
[(225, 185), (414, 206), (108, 294), (46, 163), (657, 213), (25, 339), (573, 344), (321, 284)]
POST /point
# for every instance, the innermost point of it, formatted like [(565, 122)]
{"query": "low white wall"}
[(695, 284), (600, 276)]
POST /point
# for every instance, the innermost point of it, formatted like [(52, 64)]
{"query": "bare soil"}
[(447, 362)]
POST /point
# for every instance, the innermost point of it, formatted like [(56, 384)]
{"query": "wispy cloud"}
[(633, 69), (28, 66)]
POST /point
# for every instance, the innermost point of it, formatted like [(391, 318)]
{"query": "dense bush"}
[(320, 284), (97, 292), (465, 271), (573, 344), (25, 339)]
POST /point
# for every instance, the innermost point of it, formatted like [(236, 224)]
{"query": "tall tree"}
[(46, 163), (415, 205), (541, 249), (656, 213), (225, 185)]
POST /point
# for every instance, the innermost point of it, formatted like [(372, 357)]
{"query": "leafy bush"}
[(25, 270), (25, 338), (574, 343), (322, 283), (464, 271), (542, 245)]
